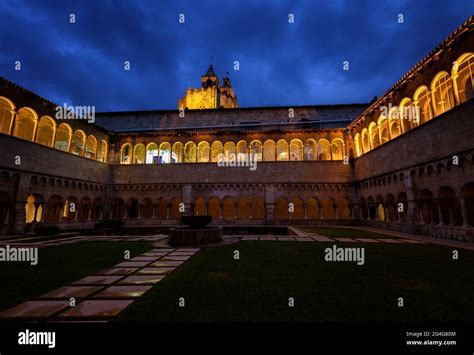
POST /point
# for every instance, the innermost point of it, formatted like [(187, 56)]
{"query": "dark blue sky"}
[(280, 63)]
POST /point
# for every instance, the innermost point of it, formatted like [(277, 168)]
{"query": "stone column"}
[(440, 213), (336, 210), (465, 215)]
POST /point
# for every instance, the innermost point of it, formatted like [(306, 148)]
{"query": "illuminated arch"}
[(281, 208), (365, 140), (178, 152), (408, 115), (337, 149), (91, 147), (63, 137), (214, 208), (282, 150), (296, 149), (241, 150), (422, 99), (203, 152), (175, 212), (34, 208), (256, 150), (190, 152), (312, 208), (126, 154), (25, 124), (374, 135), (269, 150), (383, 128), (200, 207), (442, 93), (327, 209), (310, 150), (324, 150), (7, 113), (139, 154), (229, 151), (78, 140), (243, 208), (103, 150), (257, 210), (165, 155), (357, 149), (46, 130), (463, 77), (228, 208), (151, 153), (395, 128), (298, 208), (217, 149)]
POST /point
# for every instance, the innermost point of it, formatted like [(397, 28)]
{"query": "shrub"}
[(108, 223), (44, 229)]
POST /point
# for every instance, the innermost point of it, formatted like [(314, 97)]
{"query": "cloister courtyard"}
[(247, 277)]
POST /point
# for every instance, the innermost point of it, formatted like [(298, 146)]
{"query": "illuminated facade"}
[(404, 162), (211, 95)]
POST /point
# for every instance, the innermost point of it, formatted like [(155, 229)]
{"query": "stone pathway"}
[(101, 296)]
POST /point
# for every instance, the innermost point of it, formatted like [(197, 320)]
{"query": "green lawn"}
[(257, 287), (59, 266), (345, 232)]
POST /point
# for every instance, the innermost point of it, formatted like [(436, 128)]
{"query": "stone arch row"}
[(215, 151), (445, 91), (24, 123), (444, 207), (147, 187), (429, 169), (35, 181), (233, 208), (312, 187)]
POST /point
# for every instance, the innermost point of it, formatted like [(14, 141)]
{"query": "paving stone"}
[(166, 263), (304, 239), (35, 309), (123, 292), (249, 237), (188, 249), (175, 258), (145, 258), (391, 241), (141, 279), (118, 271), (133, 264), (321, 238), (286, 239), (368, 240), (97, 308), (267, 238), (156, 270), (72, 291), (413, 241), (154, 254), (97, 280)]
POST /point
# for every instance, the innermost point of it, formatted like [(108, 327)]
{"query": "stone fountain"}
[(196, 232)]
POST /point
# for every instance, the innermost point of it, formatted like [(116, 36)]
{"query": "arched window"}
[(394, 122), (269, 150), (337, 149), (382, 124), (139, 154), (324, 150), (126, 154), (178, 153), (296, 150), (374, 135), (422, 100), (229, 151), (7, 111), (102, 154), (256, 150), (463, 75), (63, 137), (241, 149), (152, 153), (408, 115), (91, 147), (310, 150), (25, 124), (442, 92), (365, 140), (203, 152), (45, 131), (282, 150), (77, 142), (217, 149), (357, 145), (190, 152), (165, 154), (199, 207)]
